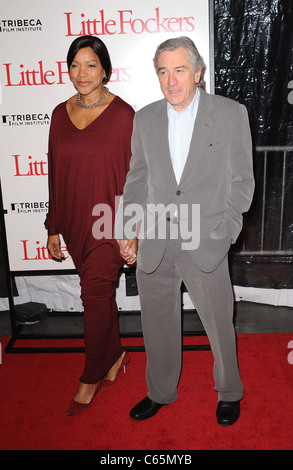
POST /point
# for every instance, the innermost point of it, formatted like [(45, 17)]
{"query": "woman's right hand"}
[(128, 250), (54, 247)]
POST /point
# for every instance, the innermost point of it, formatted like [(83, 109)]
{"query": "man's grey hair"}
[(182, 41)]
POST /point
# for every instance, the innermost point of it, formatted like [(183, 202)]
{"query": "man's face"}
[(177, 77)]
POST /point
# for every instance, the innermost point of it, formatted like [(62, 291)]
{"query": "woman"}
[(89, 153)]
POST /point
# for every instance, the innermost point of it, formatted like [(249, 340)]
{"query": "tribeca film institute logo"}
[(20, 25), (29, 207), (29, 119)]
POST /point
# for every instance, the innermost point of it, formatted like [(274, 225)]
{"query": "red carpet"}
[(36, 389)]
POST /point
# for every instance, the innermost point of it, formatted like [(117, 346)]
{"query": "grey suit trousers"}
[(212, 296)]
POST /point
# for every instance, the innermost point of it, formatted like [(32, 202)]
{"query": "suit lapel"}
[(202, 128), (160, 133)]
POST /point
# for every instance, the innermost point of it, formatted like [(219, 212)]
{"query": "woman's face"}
[(87, 73)]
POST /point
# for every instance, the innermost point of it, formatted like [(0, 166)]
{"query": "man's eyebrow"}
[(177, 67)]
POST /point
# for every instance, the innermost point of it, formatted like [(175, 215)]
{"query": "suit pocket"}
[(222, 230)]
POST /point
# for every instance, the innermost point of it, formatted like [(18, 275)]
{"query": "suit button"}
[(169, 219), (178, 193)]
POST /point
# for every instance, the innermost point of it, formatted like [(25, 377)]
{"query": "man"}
[(188, 149)]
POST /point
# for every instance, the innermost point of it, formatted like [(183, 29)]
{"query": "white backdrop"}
[(34, 40), (34, 79)]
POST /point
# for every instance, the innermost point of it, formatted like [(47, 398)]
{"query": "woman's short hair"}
[(99, 49), (182, 41)]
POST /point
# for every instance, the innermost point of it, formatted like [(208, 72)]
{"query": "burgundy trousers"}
[(99, 272)]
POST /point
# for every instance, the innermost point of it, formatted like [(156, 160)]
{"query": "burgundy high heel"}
[(75, 407), (106, 383)]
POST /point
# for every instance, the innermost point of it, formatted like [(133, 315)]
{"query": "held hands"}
[(128, 250), (54, 248)]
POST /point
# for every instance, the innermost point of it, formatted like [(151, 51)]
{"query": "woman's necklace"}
[(97, 103)]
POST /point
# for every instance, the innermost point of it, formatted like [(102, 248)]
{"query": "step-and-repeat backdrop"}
[(34, 40)]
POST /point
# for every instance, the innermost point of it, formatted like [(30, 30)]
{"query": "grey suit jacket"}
[(218, 175)]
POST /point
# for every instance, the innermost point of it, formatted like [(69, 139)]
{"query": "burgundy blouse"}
[(86, 167)]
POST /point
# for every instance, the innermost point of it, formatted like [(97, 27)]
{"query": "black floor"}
[(248, 318)]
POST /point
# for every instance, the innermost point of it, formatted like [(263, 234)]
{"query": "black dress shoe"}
[(145, 409), (228, 412)]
